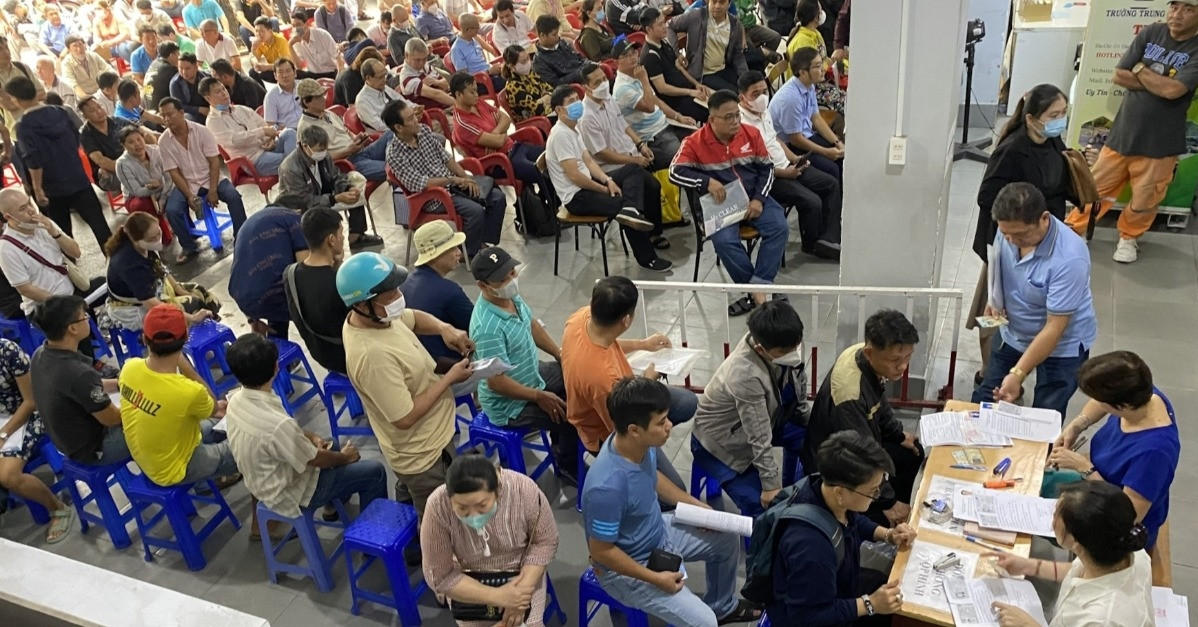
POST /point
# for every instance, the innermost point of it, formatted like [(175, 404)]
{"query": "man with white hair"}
[(419, 83), (213, 45)]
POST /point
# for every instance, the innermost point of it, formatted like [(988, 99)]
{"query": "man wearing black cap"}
[(647, 115), (533, 392)]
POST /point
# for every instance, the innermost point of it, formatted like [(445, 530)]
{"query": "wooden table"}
[(1027, 460)]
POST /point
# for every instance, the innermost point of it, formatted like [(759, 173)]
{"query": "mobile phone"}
[(662, 561), (802, 160)]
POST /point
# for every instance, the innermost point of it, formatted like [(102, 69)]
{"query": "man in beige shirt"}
[(82, 67)]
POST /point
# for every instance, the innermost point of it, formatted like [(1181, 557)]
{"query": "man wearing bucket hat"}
[(531, 394), (427, 289), (410, 407)]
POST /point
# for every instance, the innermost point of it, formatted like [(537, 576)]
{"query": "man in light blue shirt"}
[(433, 24), (197, 11), (647, 115), (531, 394), (140, 60), (1043, 268), (282, 105), (467, 54), (796, 117), (55, 31)]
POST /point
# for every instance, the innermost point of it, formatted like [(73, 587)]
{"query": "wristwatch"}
[(1137, 67), (869, 605), (1017, 371), (3, 436), (1087, 473)]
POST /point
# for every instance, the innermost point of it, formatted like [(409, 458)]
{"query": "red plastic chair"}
[(330, 97), (479, 77), (417, 216), (337, 110), (116, 200), (539, 122), (9, 176), (574, 21), (243, 172), (440, 50), (122, 66), (346, 166), (433, 114), (636, 37), (354, 124)]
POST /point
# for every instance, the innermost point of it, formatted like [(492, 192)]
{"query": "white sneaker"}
[(1126, 250)]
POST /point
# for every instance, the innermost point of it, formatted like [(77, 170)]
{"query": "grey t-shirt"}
[(1148, 125)]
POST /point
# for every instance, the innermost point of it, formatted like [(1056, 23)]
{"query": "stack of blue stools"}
[(290, 354), (382, 531), (303, 528), (510, 443), (176, 504), (206, 343), (99, 481), (337, 384)]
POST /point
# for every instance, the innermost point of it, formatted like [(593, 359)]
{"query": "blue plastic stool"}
[(337, 384), (290, 353), (126, 343), (99, 480), (765, 620), (589, 591), (98, 341), (213, 223), (46, 455), (582, 474), (23, 333), (176, 504), (459, 420), (382, 531), (552, 607), (701, 481), (206, 343), (510, 443), (319, 566)]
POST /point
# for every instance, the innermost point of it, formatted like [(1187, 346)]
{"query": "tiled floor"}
[(1146, 307)]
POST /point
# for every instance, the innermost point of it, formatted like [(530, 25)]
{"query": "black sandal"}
[(659, 242), (741, 307), (745, 612)]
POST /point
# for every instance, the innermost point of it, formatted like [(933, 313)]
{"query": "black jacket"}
[(1017, 159), (851, 397)]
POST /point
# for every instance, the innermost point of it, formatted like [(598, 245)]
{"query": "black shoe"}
[(658, 265), (632, 219), (412, 556), (824, 250), (365, 240)]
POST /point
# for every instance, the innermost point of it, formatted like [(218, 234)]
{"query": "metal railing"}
[(934, 320)]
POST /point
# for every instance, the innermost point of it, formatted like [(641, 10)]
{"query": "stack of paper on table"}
[(1005, 511), (693, 516), (922, 584), (971, 599), (1023, 423), (957, 428), (673, 362), (945, 489), (1172, 610)]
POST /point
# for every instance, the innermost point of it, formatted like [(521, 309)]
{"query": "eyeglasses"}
[(83, 319), (731, 117), (884, 491)]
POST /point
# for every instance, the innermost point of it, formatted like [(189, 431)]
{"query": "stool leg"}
[(112, 515), (401, 590), (512, 454), (318, 562), (185, 537)]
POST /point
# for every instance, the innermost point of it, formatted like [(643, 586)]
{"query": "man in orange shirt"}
[(593, 361)]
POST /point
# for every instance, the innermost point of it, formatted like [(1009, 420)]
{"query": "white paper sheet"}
[(729, 213), (15, 439), (1023, 423), (693, 516), (1022, 513), (674, 362), (957, 428), (924, 586), (1172, 610), (485, 369), (947, 489), (971, 600)]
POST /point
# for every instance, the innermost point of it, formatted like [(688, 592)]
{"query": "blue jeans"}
[(771, 224), (267, 163), (1056, 377), (371, 160), (114, 448), (177, 211), (745, 487), (366, 477), (212, 458), (721, 554)]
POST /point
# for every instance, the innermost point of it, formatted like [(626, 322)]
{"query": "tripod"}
[(974, 151)]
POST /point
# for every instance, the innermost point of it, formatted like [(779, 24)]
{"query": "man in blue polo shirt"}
[(796, 117), (140, 60), (531, 394), (1041, 283), (439, 249), (624, 522), (467, 54)]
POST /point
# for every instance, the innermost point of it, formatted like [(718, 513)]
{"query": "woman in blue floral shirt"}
[(18, 445)]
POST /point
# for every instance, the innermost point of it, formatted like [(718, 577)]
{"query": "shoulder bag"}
[(67, 269)]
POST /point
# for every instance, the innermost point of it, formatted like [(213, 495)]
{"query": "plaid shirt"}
[(415, 166)]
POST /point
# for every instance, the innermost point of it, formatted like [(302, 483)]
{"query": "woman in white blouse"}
[(1110, 582)]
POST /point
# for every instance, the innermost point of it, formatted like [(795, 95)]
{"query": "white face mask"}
[(508, 291), (524, 68), (394, 309), (320, 156), (602, 92), (759, 104), (154, 245), (791, 359)]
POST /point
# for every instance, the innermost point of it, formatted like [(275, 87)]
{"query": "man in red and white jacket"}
[(720, 153)]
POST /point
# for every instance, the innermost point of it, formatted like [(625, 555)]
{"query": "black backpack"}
[(537, 221), (759, 582)]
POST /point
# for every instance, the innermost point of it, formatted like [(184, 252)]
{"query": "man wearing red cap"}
[(166, 408)]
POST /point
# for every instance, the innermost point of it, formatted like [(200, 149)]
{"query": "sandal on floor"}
[(186, 256), (659, 242), (329, 514), (741, 307), (745, 612), (60, 525)]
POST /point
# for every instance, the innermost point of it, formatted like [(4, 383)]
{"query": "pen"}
[(978, 541), (1077, 444), (1002, 467), (968, 467)]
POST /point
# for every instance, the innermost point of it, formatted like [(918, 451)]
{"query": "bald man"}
[(467, 53)]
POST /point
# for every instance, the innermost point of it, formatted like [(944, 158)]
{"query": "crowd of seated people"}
[(151, 111)]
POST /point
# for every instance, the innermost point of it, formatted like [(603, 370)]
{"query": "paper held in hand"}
[(971, 600), (673, 362), (486, 368), (1023, 423), (717, 216), (694, 516), (1172, 610)]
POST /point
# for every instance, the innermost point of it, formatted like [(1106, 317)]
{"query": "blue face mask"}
[(1055, 128), (601, 16), (574, 111), (478, 521), (222, 107)]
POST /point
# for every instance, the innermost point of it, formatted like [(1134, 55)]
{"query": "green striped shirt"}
[(508, 336)]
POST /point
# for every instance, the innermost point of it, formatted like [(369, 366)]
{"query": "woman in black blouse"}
[(1029, 150)]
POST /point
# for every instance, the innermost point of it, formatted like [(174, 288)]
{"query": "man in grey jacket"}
[(309, 173), (756, 400), (715, 45)]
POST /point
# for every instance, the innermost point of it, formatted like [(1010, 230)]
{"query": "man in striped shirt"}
[(531, 394)]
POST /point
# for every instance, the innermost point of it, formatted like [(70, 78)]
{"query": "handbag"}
[(67, 269), (482, 611), (1081, 179)]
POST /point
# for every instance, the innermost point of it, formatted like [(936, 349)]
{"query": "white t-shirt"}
[(564, 143), (1122, 599), (271, 450), (626, 93), (224, 49), (765, 126), (21, 269)]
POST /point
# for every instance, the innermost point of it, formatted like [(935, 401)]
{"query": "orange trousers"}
[(1149, 180)]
